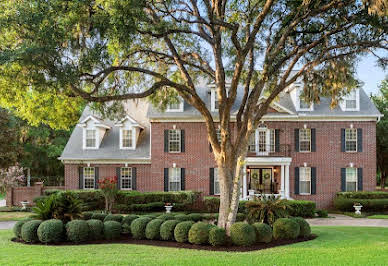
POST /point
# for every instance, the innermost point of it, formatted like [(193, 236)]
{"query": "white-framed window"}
[(305, 180), (90, 138), (174, 179), (216, 182), (350, 139), (89, 177), (214, 104), (305, 140), (351, 179), (301, 104), (174, 140), (272, 137), (252, 142), (351, 101), (126, 178), (127, 138), (175, 106), (262, 141)]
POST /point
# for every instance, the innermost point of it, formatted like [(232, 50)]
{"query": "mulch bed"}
[(173, 244)]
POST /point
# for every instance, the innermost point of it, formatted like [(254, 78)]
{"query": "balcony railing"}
[(281, 150)]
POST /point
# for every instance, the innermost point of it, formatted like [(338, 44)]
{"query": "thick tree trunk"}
[(382, 181)]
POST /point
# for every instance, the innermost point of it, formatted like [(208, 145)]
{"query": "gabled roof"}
[(97, 122), (130, 119)]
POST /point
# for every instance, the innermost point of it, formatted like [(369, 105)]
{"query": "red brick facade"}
[(197, 159)]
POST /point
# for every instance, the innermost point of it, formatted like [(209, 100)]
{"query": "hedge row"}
[(346, 204), (363, 195)]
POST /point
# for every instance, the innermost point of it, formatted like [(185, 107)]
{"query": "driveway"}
[(343, 220), (7, 225)]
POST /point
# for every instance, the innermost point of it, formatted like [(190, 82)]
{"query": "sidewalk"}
[(7, 225), (343, 220)]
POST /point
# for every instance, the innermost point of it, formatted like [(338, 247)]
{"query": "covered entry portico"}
[(266, 175)]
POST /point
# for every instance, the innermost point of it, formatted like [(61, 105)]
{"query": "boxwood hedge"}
[(112, 230), (96, 229), (152, 230), (29, 231), (181, 231), (138, 227), (77, 231), (242, 234), (51, 231), (167, 229)]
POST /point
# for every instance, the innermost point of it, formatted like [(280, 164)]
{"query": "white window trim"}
[(346, 178), (121, 178), (180, 109), (343, 102), (298, 101), (180, 141), (180, 179), (84, 138), (94, 178), (300, 141), (133, 147), (213, 95), (304, 194), (356, 141)]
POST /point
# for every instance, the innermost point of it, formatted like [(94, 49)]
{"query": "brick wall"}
[(17, 194)]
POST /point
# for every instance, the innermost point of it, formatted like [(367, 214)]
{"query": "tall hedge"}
[(346, 204), (301, 208)]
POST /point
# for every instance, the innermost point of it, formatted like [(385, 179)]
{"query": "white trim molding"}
[(106, 161), (180, 109)]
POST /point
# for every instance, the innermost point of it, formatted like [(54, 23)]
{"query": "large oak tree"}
[(54, 53)]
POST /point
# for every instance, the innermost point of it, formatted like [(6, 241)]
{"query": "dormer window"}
[(175, 106), (94, 130), (301, 103), (127, 138), (351, 101), (91, 139), (129, 133)]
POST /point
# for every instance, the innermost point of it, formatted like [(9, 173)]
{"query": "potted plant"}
[(168, 207), (24, 204), (357, 206)]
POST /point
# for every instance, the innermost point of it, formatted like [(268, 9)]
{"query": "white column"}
[(282, 184), (287, 182), (244, 186)]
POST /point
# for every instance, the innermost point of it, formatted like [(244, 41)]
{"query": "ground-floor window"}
[(351, 179), (216, 182), (89, 177), (174, 179), (126, 178), (305, 180)]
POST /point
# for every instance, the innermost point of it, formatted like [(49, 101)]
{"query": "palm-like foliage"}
[(267, 209), (44, 209)]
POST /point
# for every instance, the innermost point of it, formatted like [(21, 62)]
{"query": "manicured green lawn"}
[(14, 216), (378, 216), (334, 246)]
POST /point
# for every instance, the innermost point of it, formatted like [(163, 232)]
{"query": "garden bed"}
[(173, 244)]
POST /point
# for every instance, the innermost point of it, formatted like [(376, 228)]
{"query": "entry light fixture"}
[(174, 165), (351, 165), (305, 164)]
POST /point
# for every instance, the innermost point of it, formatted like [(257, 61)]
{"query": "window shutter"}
[(118, 175), (182, 140), (81, 178), (359, 139), (134, 178), (313, 140), (342, 139), (359, 179), (166, 140), (313, 180), (296, 180), (210, 147), (296, 139), (343, 179), (211, 181), (96, 177), (183, 179), (165, 179), (277, 140)]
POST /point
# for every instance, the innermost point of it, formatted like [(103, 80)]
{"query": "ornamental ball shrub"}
[(196, 217), (182, 217), (17, 228), (322, 213), (112, 230), (99, 216), (77, 231), (167, 229), (51, 231), (181, 231), (217, 236), (242, 234), (96, 229), (87, 215), (152, 216), (114, 217), (153, 229), (166, 216), (199, 233), (29, 231), (138, 227), (285, 228), (305, 229), (263, 232), (126, 222)]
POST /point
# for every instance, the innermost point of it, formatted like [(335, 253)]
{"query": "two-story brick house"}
[(299, 151)]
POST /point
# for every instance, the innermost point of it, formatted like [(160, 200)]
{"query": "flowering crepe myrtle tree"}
[(54, 53), (109, 189), (11, 177)]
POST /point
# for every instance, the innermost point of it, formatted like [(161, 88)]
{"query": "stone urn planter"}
[(24, 204), (168, 207), (357, 208)]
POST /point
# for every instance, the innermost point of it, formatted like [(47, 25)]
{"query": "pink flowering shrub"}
[(109, 189), (11, 177)]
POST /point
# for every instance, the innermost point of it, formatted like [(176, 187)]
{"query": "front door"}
[(261, 180), (266, 175)]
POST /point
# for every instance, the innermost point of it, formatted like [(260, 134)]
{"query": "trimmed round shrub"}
[(199, 233), (114, 217), (196, 217), (182, 217), (51, 231), (77, 231), (166, 216), (17, 228), (217, 236), (152, 216), (286, 228), (96, 229), (181, 231), (112, 230), (99, 216), (153, 229), (263, 232), (167, 229), (87, 215), (305, 229), (240, 217), (138, 227), (322, 213), (29, 231), (242, 234), (126, 222)]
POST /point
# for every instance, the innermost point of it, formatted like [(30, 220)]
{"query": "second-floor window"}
[(175, 106), (305, 180), (252, 143), (305, 140), (127, 138), (89, 177), (266, 141), (303, 104), (351, 100), (351, 139), (126, 178), (174, 179), (90, 138), (351, 179), (174, 140)]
